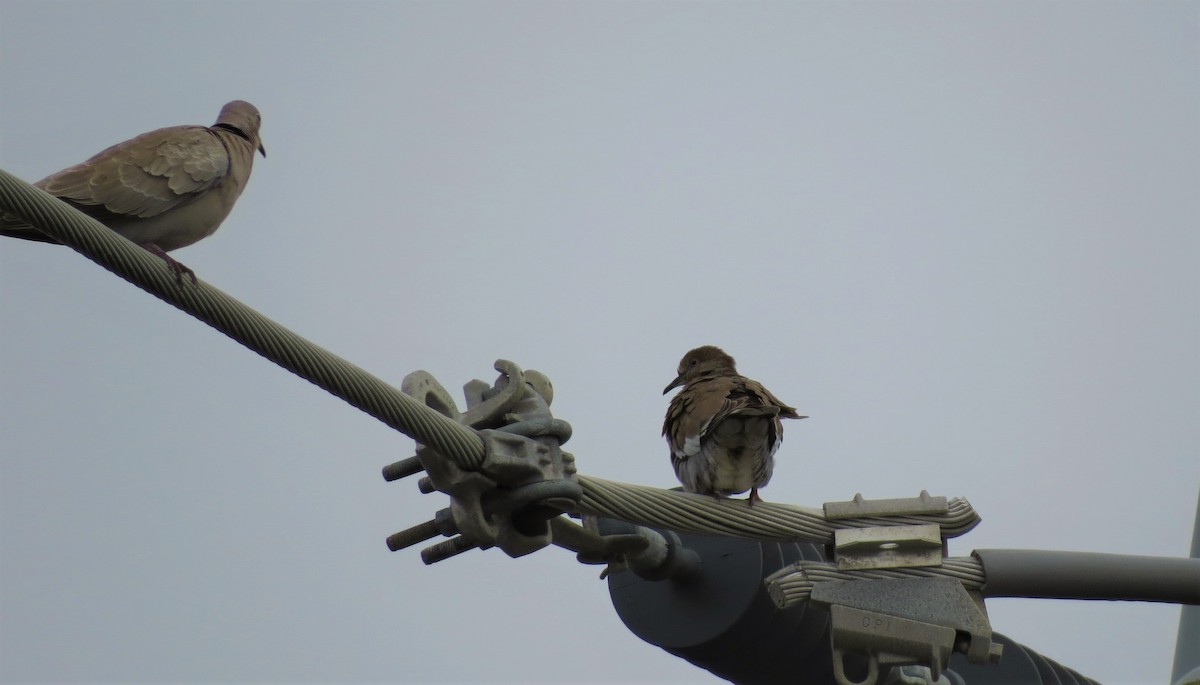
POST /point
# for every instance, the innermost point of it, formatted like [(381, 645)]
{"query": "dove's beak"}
[(262, 149), (674, 384)]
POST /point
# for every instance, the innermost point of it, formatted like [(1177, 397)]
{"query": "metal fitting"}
[(523, 480)]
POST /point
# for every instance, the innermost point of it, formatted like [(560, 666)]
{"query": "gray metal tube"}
[(1187, 644), (1088, 575)]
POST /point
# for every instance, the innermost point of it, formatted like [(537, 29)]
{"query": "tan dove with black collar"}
[(164, 189), (723, 428)]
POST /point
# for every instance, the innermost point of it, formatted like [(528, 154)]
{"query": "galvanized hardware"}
[(402, 469), (523, 480), (661, 555), (905, 621), (441, 524), (898, 621), (903, 506), (888, 546), (665, 558), (591, 547)]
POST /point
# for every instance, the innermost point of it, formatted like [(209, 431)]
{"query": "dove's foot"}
[(753, 497), (175, 266)]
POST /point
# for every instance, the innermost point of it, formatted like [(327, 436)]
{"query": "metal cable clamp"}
[(895, 621), (522, 482)]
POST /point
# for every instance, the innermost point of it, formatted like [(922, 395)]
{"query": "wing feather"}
[(147, 175)]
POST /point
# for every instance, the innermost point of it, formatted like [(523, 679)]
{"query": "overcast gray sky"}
[(963, 237)]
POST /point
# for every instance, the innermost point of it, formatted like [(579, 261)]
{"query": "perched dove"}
[(164, 189), (723, 428)]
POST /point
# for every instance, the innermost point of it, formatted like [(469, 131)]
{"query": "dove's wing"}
[(147, 175), (693, 411)]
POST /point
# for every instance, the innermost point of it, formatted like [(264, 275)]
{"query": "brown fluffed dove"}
[(723, 428), (165, 189)]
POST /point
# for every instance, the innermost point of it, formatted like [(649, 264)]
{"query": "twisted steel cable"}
[(238, 321), (634, 503), (732, 518), (794, 584)]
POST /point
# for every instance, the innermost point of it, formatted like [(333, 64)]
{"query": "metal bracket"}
[(902, 506), (523, 481), (905, 621), (888, 546)]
